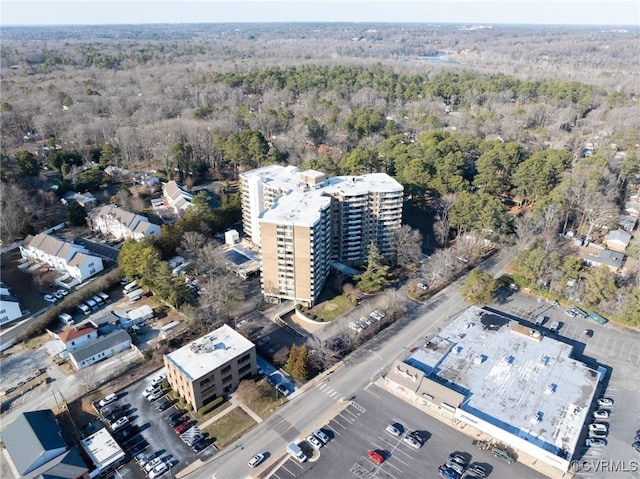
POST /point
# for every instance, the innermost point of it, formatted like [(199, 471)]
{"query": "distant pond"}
[(439, 58)]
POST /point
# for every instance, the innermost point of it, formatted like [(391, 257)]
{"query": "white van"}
[(130, 287), (65, 318), (555, 326)]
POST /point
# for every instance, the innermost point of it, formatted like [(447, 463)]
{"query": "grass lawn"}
[(213, 412), (267, 404), (230, 427), (333, 308)]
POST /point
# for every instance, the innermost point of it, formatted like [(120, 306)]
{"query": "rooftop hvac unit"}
[(479, 359), (550, 389)]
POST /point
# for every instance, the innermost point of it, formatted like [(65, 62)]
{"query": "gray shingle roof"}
[(69, 465), (30, 437), (103, 343)]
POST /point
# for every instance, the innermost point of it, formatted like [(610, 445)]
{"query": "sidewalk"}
[(235, 402)]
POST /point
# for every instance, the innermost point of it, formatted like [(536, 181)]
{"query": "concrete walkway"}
[(235, 402)]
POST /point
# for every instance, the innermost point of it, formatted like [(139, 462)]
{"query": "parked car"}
[(601, 414), (598, 427), (588, 333), (412, 441), (149, 390), (378, 315), (605, 402), (201, 445), (459, 459), (594, 442), (314, 441), (157, 381), (105, 401), (394, 430), (447, 472), (159, 470), (157, 394), (49, 298), (376, 457), (182, 427), (478, 470), (123, 421), (255, 460), (422, 286), (156, 461), (597, 434), (636, 446), (321, 435), (164, 405), (144, 458)]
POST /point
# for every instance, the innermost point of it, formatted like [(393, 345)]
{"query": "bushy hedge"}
[(211, 406)]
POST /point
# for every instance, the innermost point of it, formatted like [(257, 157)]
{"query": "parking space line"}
[(285, 468), (336, 421), (355, 416), (333, 430)]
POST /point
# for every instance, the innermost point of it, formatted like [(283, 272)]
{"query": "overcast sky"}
[(96, 12)]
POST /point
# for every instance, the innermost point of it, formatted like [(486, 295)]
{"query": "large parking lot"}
[(361, 427), (154, 433)]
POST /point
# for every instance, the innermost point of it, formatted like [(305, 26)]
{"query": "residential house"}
[(632, 208), (86, 200), (612, 259), (10, 308), (116, 172), (75, 338), (146, 179), (70, 258), (617, 240), (35, 449), (99, 349), (627, 222), (120, 223), (176, 196)]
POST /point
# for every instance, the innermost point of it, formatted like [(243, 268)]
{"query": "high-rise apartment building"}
[(302, 221)]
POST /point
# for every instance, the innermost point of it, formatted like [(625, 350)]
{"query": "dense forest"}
[(472, 121)]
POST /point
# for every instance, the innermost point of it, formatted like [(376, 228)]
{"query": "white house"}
[(70, 258), (146, 179), (10, 309), (121, 224), (617, 240), (176, 196), (75, 338), (101, 348)]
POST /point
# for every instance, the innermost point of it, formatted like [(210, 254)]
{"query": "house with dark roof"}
[(628, 222), (86, 200), (120, 223), (102, 348), (35, 449), (612, 259)]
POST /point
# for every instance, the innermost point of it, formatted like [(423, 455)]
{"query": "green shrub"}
[(211, 405)]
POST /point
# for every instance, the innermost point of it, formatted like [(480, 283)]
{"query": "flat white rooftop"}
[(526, 385), (209, 352), (103, 449), (298, 208), (361, 185)]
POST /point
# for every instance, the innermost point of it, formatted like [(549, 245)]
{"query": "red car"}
[(376, 457), (179, 429)]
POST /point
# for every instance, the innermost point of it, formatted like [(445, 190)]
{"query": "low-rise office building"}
[(104, 451), (507, 383), (210, 366)]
